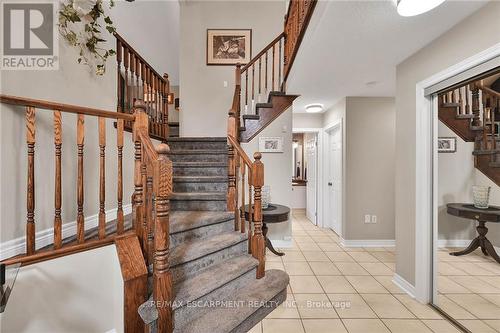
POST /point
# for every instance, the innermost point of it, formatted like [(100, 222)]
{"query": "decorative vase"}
[(266, 196), (481, 196)]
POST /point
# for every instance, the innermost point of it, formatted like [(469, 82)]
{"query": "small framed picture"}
[(447, 145), (271, 144), (229, 46)]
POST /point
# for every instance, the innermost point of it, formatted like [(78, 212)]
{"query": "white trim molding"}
[(367, 242), (45, 237), (404, 285), (426, 170)]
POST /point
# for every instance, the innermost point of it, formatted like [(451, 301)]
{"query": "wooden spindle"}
[(236, 190), (102, 177), (30, 190), (132, 75), (265, 75), (145, 229), (138, 69), (166, 128), (80, 139), (120, 228), (253, 83), (127, 88), (58, 181), (279, 63), (475, 107), (274, 63), (162, 277), (119, 102), (231, 173), (258, 243), (250, 210), (246, 87), (242, 210), (468, 109), (260, 74), (149, 218)]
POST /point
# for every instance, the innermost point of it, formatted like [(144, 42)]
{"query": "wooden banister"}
[(263, 52)]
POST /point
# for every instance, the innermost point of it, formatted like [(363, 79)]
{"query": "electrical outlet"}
[(367, 218), (225, 84), (374, 218)]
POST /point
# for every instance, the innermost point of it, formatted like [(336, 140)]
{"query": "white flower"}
[(83, 7)]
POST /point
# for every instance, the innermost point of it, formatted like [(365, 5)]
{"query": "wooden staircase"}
[(472, 111)]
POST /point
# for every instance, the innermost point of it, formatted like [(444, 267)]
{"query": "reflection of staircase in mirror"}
[(8, 275)]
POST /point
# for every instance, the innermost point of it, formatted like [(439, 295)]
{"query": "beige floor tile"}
[(365, 326), (421, 311), (445, 268), (315, 256), (391, 265), (275, 265), (376, 268), (272, 257), (297, 268), (495, 324), (351, 306), (477, 326), (478, 306), (336, 284), (305, 285), (353, 249), (363, 257), (308, 247), (476, 285), (286, 310), (491, 267), (324, 268), (329, 247), (366, 285), (351, 268), (315, 306), (256, 329), (282, 326), (387, 306), (316, 232), (324, 326), (452, 308), (339, 257), (493, 298), (492, 280), (388, 284), (441, 326), (473, 268), (323, 238), (293, 256), (375, 249), (406, 326), (385, 256), (303, 239), (447, 285)]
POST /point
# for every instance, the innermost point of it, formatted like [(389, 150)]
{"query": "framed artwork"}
[(271, 144), (447, 145), (229, 46)]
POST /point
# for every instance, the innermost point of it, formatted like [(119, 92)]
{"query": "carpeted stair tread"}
[(198, 196), (208, 280), (201, 247), (198, 152), (181, 221), (198, 139), (227, 319), (195, 164), (200, 179)]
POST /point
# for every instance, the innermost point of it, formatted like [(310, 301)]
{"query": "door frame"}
[(426, 172), (318, 165), (339, 123)]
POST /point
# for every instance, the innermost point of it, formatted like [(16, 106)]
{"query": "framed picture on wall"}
[(229, 46), (447, 145), (271, 144)]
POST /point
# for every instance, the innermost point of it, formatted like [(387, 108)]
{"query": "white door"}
[(334, 179), (310, 172)]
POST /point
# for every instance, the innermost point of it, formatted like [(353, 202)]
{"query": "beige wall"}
[(474, 34), (369, 182), (205, 101), (78, 293), (307, 120)]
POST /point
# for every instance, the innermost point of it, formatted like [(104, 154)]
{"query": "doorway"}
[(334, 179)]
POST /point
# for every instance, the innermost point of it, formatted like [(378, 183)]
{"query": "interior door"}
[(334, 193), (311, 174)]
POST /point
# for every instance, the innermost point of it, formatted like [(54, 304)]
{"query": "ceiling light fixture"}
[(416, 7), (314, 108)]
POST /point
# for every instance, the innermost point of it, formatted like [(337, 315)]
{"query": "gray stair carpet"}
[(215, 285)]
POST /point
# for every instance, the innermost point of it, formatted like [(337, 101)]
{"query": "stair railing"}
[(153, 187), (245, 175), (137, 80)]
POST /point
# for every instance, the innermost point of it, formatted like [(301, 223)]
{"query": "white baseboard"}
[(281, 243), (45, 237), (404, 285), (367, 242)]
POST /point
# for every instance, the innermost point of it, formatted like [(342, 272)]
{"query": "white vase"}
[(266, 196), (481, 196)]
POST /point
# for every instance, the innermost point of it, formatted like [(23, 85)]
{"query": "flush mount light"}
[(314, 108), (416, 7)]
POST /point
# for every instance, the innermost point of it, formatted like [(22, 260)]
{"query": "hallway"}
[(335, 289)]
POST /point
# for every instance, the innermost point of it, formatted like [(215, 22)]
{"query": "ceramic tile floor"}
[(334, 289), (469, 289)]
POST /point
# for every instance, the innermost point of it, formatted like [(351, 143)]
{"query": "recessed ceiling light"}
[(314, 108), (416, 7)]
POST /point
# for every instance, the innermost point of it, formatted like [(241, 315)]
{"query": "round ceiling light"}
[(314, 108), (416, 7)]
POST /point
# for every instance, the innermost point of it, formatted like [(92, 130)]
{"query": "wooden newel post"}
[(258, 243), (231, 172), (140, 124), (162, 277)]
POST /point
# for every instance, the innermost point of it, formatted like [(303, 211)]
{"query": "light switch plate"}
[(374, 218), (367, 218)]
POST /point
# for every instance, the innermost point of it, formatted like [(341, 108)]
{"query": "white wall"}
[(307, 120), (471, 36), (77, 293), (205, 101)]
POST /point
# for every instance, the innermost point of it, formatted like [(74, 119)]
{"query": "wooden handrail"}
[(489, 90), (239, 150), (261, 53), (51, 106)]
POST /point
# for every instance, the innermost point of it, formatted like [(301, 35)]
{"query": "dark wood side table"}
[(468, 211), (274, 213)]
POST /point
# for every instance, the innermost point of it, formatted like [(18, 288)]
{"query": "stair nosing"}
[(221, 219)]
